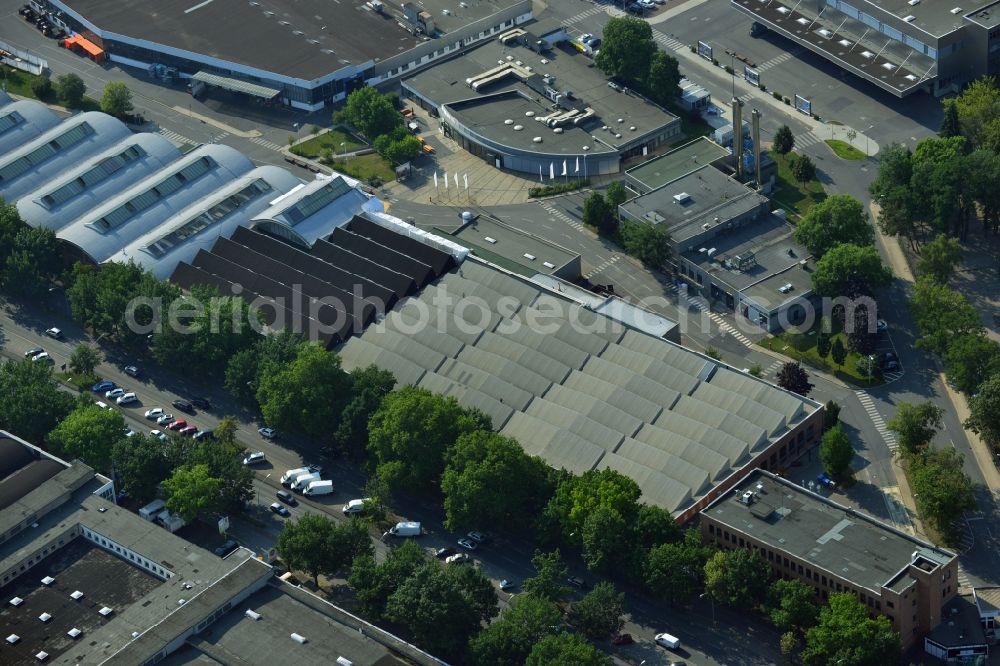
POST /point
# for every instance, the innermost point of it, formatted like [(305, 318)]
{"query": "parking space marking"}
[(869, 405)]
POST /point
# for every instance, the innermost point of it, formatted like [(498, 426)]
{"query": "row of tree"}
[(375, 115)]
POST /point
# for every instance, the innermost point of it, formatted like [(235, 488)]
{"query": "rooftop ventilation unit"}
[(489, 239), (785, 288), (683, 197), (529, 257), (48, 580), (956, 10), (299, 638), (913, 3), (252, 614), (105, 611), (909, 19), (344, 661), (711, 251), (548, 264), (74, 632), (77, 594)]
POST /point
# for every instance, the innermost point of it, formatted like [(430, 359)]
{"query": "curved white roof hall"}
[(20, 122), (76, 192), (30, 166), (145, 206), (198, 226)]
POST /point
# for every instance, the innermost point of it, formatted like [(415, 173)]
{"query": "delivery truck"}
[(316, 488), (404, 529), (302, 481), (356, 505), (289, 476)]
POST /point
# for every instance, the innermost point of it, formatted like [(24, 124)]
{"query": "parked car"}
[(442, 553), (458, 558), (287, 498), (468, 544), (201, 403), (129, 432), (35, 351), (667, 641), (507, 585), (102, 386), (43, 358), (166, 419), (205, 434), (127, 399), (183, 405), (226, 548), (267, 433), (478, 537), (115, 393), (280, 510), (131, 371), (254, 458), (159, 434), (189, 431), (622, 639), (177, 425), (826, 480), (578, 582), (154, 413), (54, 333)]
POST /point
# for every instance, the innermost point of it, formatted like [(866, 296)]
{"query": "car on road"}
[(254, 458), (458, 558), (586, 37), (478, 537), (128, 399), (103, 385), (159, 434), (507, 585), (131, 370), (189, 431), (43, 358), (177, 425), (166, 419), (205, 434), (287, 498), (183, 405), (115, 393), (667, 641), (54, 333), (622, 639), (442, 553), (129, 432), (826, 480), (267, 433), (280, 510), (154, 413), (578, 582), (201, 403), (34, 351), (468, 544), (226, 548)]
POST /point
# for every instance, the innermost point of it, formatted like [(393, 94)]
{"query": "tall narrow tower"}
[(755, 133), (738, 137)]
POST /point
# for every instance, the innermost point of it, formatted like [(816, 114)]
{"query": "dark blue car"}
[(102, 386)]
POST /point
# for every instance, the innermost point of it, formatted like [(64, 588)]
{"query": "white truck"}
[(302, 481), (356, 505), (316, 488), (289, 476), (152, 510), (170, 521), (404, 529)]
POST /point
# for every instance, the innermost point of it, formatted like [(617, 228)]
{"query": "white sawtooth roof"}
[(31, 120), (468, 397), (658, 488), (753, 411)]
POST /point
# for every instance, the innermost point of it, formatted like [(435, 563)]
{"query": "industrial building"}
[(529, 102), (833, 548), (305, 54), (901, 46), (84, 581)]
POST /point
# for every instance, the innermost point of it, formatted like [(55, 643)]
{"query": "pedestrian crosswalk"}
[(778, 59), (559, 215), (179, 139), (667, 42), (963, 578), (597, 269), (869, 405), (600, 8), (773, 368), (701, 304), (806, 139), (260, 141)]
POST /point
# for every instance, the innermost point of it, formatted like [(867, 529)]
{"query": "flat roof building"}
[(670, 166), (306, 53), (833, 548), (961, 637), (901, 46), (542, 110), (516, 250)]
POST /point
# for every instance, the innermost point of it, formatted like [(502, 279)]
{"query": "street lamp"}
[(706, 594)]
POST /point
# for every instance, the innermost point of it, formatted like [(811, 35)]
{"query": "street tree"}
[(850, 270), (566, 649), (977, 106), (823, 344), (11, 224), (848, 635), (116, 100), (398, 145), (983, 170), (941, 178), (223, 462), (89, 433), (950, 125), (661, 82), (627, 49), (941, 489), (346, 541), (600, 613), (862, 334), (655, 526), (191, 492), (607, 542), (838, 352), (550, 572), (836, 452), (476, 482), (792, 605), (649, 243), (970, 360), (509, 640), (784, 141), (831, 415), (941, 315), (939, 258), (412, 430), (984, 408), (268, 354), (373, 583), (308, 395), (615, 196), (803, 169), (895, 170), (371, 112), (897, 216), (915, 425), (33, 262), (839, 218), (793, 377), (369, 386), (31, 403), (673, 571), (140, 465), (576, 497), (84, 359), (378, 499), (70, 88), (737, 578), (595, 212), (303, 544)]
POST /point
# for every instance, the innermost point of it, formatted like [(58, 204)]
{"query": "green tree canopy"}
[(398, 146), (737, 578), (836, 452), (792, 605), (577, 497), (939, 258), (839, 218), (566, 650), (307, 395), (411, 431), (191, 491), (369, 386), (915, 425), (850, 270), (371, 112), (267, 355), (600, 614), (784, 141), (793, 377), (663, 77), (116, 100), (477, 484), (984, 417), (627, 49), (31, 404), (655, 526), (70, 88), (977, 106), (939, 175), (674, 570), (607, 542), (941, 489), (304, 545), (550, 572), (950, 125), (90, 433), (509, 640), (84, 359), (849, 636), (803, 169), (595, 211), (140, 465), (33, 262), (373, 583), (649, 243), (896, 216), (615, 195), (838, 352), (941, 315), (895, 170)]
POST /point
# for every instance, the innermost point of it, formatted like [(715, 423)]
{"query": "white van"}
[(668, 641)]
